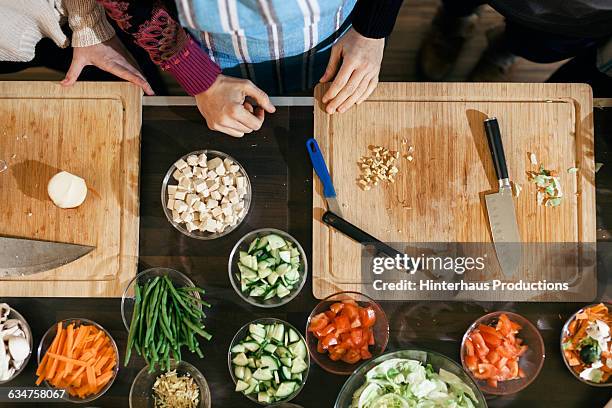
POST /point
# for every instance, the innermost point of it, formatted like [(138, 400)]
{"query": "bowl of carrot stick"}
[(79, 357)]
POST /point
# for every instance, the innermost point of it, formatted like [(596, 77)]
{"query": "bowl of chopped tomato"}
[(503, 352), (345, 329)]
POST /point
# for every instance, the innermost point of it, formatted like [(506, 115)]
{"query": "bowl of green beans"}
[(163, 312)]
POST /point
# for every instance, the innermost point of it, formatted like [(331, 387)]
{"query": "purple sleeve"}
[(192, 68)]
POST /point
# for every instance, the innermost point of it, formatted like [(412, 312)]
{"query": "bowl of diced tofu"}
[(206, 194), (268, 361), (267, 267)]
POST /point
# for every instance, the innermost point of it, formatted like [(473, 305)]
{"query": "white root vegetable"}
[(67, 190)]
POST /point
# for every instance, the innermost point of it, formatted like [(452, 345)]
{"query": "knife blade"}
[(318, 163), (21, 256), (500, 206)]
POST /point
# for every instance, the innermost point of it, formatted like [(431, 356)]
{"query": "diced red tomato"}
[(368, 316), (336, 307), (330, 340), (345, 331), (469, 347), (492, 353), (342, 324), (493, 357), (485, 371), (490, 340), (350, 311), (318, 322), (325, 331), (472, 362), (352, 356), (357, 337), (479, 344), (365, 354)]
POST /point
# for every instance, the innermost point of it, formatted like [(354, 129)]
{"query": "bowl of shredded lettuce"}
[(410, 379)]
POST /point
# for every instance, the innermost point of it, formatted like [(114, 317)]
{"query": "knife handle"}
[(497, 148), (358, 234), (318, 163)]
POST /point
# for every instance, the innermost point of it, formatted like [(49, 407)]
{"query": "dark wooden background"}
[(280, 171)]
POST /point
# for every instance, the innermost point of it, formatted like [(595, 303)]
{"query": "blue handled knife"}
[(318, 163)]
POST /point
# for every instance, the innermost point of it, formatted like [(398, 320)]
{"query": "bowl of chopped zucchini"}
[(267, 267), (268, 361)]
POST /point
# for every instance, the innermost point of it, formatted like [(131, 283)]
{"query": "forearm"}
[(154, 29), (375, 18), (87, 22)]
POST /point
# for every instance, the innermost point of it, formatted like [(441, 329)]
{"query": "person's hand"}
[(109, 56), (355, 62), (227, 106)]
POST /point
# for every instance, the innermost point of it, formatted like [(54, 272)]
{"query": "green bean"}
[(135, 317), (198, 330)]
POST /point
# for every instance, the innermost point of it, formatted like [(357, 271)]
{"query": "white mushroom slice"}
[(5, 310), (18, 347), (180, 164)]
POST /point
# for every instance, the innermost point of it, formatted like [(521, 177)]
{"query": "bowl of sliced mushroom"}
[(206, 194), (15, 343)]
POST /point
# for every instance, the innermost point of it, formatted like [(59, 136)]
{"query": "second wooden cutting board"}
[(438, 196)]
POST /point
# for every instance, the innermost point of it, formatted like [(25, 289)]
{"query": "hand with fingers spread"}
[(109, 56), (354, 66), (227, 106)]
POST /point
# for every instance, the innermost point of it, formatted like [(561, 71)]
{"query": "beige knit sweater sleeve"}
[(87, 21)]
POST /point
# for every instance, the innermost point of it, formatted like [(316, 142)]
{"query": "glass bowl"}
[(242, 333), (436, 360), (197, 234), (127, 299), (380, 330), (14, 314), (565, 330), (243, 245), (46, 341), (531, 362), (141, 392)]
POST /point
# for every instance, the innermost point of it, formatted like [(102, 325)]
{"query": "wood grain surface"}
[(91, 130), (439, 195), (276, 161)]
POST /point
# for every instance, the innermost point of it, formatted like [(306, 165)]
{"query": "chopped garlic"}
[(173, 391)]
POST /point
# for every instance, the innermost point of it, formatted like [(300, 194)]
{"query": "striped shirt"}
[(282, 45), (253, 38)]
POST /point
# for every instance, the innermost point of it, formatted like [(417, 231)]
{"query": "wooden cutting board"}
[(91, 130), (438, 197)]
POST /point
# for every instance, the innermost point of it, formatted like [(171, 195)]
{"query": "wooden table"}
[(282, 198)]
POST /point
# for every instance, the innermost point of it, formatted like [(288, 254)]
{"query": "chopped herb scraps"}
[(548, 186), (572, 170)]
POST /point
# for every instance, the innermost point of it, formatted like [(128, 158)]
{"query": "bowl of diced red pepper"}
[(503, 352), (345, 329)]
